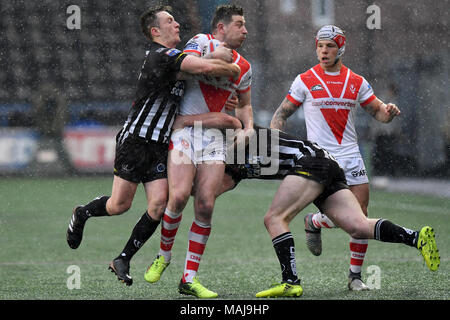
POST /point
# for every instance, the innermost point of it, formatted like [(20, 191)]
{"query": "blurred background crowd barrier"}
[(67, 77)]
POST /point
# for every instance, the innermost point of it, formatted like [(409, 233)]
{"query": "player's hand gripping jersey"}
[(329, 101), (209, 94)]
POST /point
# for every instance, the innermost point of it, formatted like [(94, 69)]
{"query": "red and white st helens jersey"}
[(329, 101), (209, 94)]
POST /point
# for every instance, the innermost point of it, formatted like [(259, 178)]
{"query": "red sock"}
[(358, 248), (198, 236), (169, 227)]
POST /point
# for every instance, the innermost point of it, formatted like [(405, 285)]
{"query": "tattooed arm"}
[(284, 111), (381, 111)]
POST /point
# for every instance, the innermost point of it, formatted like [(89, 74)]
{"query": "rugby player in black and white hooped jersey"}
[(330, 94), (309, 174), (142, 144)]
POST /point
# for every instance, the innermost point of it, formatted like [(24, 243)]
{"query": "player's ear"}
[(220, 27), (155, 32)]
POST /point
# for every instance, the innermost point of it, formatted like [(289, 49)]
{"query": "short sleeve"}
[(171, 58), (366, 94), (196, 44), (246, 82), (297, 93)]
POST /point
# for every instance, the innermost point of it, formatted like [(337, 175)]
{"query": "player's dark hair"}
[(224, 13), (150, 20)]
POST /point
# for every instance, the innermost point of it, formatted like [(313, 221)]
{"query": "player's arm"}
[(232, 103), (221, 52), (244, 110), (217, 120), (214, 67), (381, 111), (283, 112)]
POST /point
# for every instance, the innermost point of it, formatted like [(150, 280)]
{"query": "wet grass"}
[(239, 260)]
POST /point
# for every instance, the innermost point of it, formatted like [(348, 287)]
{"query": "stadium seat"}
[(97, 63)]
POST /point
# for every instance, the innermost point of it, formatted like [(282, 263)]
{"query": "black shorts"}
[(325, 171), (139, 160)]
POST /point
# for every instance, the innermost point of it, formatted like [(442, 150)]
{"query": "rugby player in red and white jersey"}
[(196, 162), (330, 93)]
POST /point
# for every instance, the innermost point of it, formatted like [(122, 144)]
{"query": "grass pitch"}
[(239, 260)]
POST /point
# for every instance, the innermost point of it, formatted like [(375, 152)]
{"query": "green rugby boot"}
[(426, 243), (155, 270), (281, 290), (196, 289)]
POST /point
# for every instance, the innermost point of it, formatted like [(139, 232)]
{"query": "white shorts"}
[(355, 170), (199, 145)]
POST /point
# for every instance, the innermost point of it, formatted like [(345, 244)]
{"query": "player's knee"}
[(156, 206), (271, 219), (359, 231), (118, 207), (159, 199), (178, 201), (204, 207), (267, 221)]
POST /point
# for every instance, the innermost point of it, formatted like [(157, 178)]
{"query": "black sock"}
[(389, 232), (142, 231), (285, 250), (95, 208)]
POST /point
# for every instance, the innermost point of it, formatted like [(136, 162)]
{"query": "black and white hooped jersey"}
[(158, 95), (276, 149)]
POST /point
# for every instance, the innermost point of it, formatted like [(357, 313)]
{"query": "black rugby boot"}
[(76, 226), (121, 267)]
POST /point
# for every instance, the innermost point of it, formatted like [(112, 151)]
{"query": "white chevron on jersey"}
[(329, 101), (209, 94)]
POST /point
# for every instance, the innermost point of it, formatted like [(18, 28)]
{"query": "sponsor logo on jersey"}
[(172, 52), (352, 88), (333, 103), (191, 46), (317, 87), (178, 89), (359, 173)]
